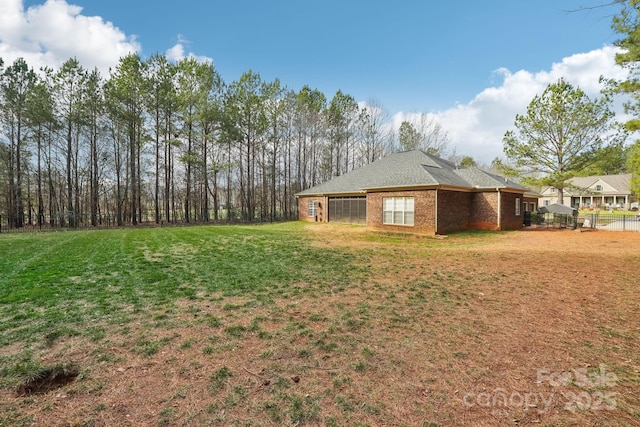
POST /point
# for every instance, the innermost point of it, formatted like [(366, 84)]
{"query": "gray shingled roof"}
[(621, 183), (409, 169), (584, 185)]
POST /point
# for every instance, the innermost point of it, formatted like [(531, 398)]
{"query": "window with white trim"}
[(398, 210), (517, 206), (313, 208)]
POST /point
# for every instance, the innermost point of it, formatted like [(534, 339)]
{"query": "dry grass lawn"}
[(531, 328)]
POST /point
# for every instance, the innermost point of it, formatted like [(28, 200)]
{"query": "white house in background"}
[(602, 192)]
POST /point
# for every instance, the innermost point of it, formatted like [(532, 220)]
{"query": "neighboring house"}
[(604, 192), (416, 192)]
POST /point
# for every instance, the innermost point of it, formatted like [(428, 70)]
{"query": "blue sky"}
[(410, 55), (474, 62)]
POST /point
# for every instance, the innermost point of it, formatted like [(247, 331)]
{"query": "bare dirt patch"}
[(48, 379), (522, 328)]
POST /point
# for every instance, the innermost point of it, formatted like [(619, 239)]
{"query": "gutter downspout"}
[(436, 213), (499, 210)]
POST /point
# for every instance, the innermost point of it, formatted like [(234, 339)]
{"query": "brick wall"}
[(511, 221), (303, 209), (424, 218), (454, 209), (484, 211)]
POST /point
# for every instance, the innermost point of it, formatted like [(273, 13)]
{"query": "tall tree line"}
[(161, 141)]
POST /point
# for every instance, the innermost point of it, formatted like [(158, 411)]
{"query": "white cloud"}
[(50, 33), (477, 127), (177, 52)]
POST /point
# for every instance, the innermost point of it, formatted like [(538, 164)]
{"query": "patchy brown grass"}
[(521, 328)]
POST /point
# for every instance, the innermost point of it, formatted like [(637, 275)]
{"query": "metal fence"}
[(597, 221), (83, 222), (610, 222), (9, 224)]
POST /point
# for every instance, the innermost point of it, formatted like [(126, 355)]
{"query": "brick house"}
[(417, 192)]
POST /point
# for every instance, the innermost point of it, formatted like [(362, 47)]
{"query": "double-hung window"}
[(312, 208), (517, 206), (398, 210)]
